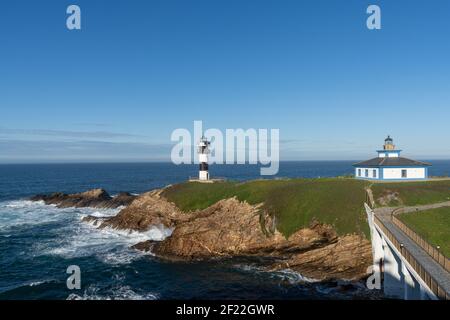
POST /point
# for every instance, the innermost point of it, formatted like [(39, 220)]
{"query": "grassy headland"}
[(294, 202), (411, 193), (433, 225)]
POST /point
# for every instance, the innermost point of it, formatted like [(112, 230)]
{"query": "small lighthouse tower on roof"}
[(203, 151), (389, 150), (389, 143)]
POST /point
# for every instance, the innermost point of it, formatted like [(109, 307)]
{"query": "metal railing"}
[(438, 256), (414, 263)]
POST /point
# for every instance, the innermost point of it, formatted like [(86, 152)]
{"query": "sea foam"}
[(74, 238), (116, 293)]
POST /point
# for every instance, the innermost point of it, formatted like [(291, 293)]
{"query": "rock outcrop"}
[(145, 211), (347, 258), (229, 228), (96, 198), (232, 228)]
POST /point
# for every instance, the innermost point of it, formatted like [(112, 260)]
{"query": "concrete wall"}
[(399, 278), (388, 154), (203, 175), (411, 173), (370, 173)]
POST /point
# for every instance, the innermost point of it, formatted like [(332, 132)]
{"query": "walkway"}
[(427, 262)]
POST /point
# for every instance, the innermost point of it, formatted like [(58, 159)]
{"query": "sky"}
[(137, 70)]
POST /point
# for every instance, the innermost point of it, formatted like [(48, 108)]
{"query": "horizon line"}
[(57, 162)]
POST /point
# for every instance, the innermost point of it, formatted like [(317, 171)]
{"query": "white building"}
[(390, 166)]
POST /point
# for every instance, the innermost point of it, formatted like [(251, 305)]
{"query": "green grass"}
[(433, 225), (413, 193), (294, 202)]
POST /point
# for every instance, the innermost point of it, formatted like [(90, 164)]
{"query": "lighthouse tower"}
[(203, 151)]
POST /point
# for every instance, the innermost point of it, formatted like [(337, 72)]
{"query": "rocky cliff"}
[(146, 210), (231, 228), (96, 198)]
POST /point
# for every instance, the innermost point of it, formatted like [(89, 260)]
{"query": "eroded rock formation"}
[(232, 228), (229, 228), (96, 198), (146, 210)]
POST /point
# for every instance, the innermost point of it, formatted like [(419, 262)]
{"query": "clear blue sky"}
[(137, 70)]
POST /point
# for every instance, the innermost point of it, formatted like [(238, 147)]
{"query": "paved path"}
[(389, 210), (427, 262), (409, 181)]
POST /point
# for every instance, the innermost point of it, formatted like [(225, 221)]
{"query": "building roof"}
[(391, 162)]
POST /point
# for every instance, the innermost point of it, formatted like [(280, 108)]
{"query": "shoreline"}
[(311, 251)]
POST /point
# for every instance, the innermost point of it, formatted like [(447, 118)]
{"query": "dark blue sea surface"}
[(38, 242)]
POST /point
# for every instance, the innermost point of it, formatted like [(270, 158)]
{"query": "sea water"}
[(38, 242)]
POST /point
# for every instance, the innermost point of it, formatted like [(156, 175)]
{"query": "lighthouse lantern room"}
[(203, 151)]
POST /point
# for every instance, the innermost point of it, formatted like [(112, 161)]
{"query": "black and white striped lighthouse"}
[(203, 151)]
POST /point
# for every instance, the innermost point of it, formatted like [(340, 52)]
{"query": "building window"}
[(367, 173), (359, 172), (374, 173), (404, 173)]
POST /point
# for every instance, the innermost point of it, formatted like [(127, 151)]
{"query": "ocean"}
[(38, 242)]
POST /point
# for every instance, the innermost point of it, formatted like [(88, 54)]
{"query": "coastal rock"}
[(228, 228), (348, 258), (233, 228), (96, 198), (145, 211)]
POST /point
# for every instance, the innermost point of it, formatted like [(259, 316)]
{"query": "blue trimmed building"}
[(389, 165)]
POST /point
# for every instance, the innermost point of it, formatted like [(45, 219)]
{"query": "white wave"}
[(39, 282), (70, 237), (155, 232), (22, 204), (292, 276), (288, 275), (18, 285), (95, 223), (111, 246), (86, 240), (158, 232), (120, 293), (26, 212), (116, 258), (248, 267), (106, 213)]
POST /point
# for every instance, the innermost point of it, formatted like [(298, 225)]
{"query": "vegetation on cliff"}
[(432, 225), (313, 226), (294, 203), (411, 193), (284, 224)]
